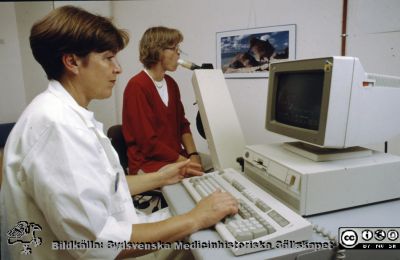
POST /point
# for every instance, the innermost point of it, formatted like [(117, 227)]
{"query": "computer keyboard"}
[(262, 220)]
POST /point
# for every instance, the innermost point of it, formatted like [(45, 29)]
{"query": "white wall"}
[(374, 36), (12, 93), (317, 35), (27, 13)]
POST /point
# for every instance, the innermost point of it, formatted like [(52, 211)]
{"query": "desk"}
[(377, 215)]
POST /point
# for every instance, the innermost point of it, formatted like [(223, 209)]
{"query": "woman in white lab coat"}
[(64, 194)]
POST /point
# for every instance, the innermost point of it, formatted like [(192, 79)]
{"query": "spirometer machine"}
[(333, 107)]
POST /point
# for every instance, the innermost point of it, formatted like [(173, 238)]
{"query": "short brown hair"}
[(72, 30), (154, 41)]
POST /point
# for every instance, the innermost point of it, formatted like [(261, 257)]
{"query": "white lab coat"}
[(60, 172)]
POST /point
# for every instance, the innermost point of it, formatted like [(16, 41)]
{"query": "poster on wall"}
[(248, 53)]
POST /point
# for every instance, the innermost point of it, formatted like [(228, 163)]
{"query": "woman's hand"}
[(213, 208), (175, 172)]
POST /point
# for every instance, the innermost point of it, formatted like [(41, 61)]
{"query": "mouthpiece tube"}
[(187, 64)]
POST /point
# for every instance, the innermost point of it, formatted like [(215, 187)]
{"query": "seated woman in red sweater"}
[(153, 118)]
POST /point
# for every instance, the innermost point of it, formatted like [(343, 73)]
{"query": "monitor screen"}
[(298, 98)]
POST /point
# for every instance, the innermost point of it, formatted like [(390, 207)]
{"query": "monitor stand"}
[(320, 154)]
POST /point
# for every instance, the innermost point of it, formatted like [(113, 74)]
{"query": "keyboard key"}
[(262, 205), (200, 190), (278, 218), (248, 195), (244, 235), (237, 185), (260, 232)]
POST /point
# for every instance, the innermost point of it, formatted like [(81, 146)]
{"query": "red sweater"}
[(152, 131)]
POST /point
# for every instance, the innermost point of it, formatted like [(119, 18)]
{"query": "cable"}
[(340, 253), (156, 207)]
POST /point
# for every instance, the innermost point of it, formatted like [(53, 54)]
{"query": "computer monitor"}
[(332, 102)]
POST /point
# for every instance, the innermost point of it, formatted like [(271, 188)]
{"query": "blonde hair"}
[(154, 41)]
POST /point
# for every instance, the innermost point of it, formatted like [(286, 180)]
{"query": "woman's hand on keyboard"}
[(169, 174), (213, 208), (175, 172)]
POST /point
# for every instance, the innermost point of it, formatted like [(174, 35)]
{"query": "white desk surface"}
[(386, 214)]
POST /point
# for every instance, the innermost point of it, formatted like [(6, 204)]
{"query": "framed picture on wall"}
[(248, 53)]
